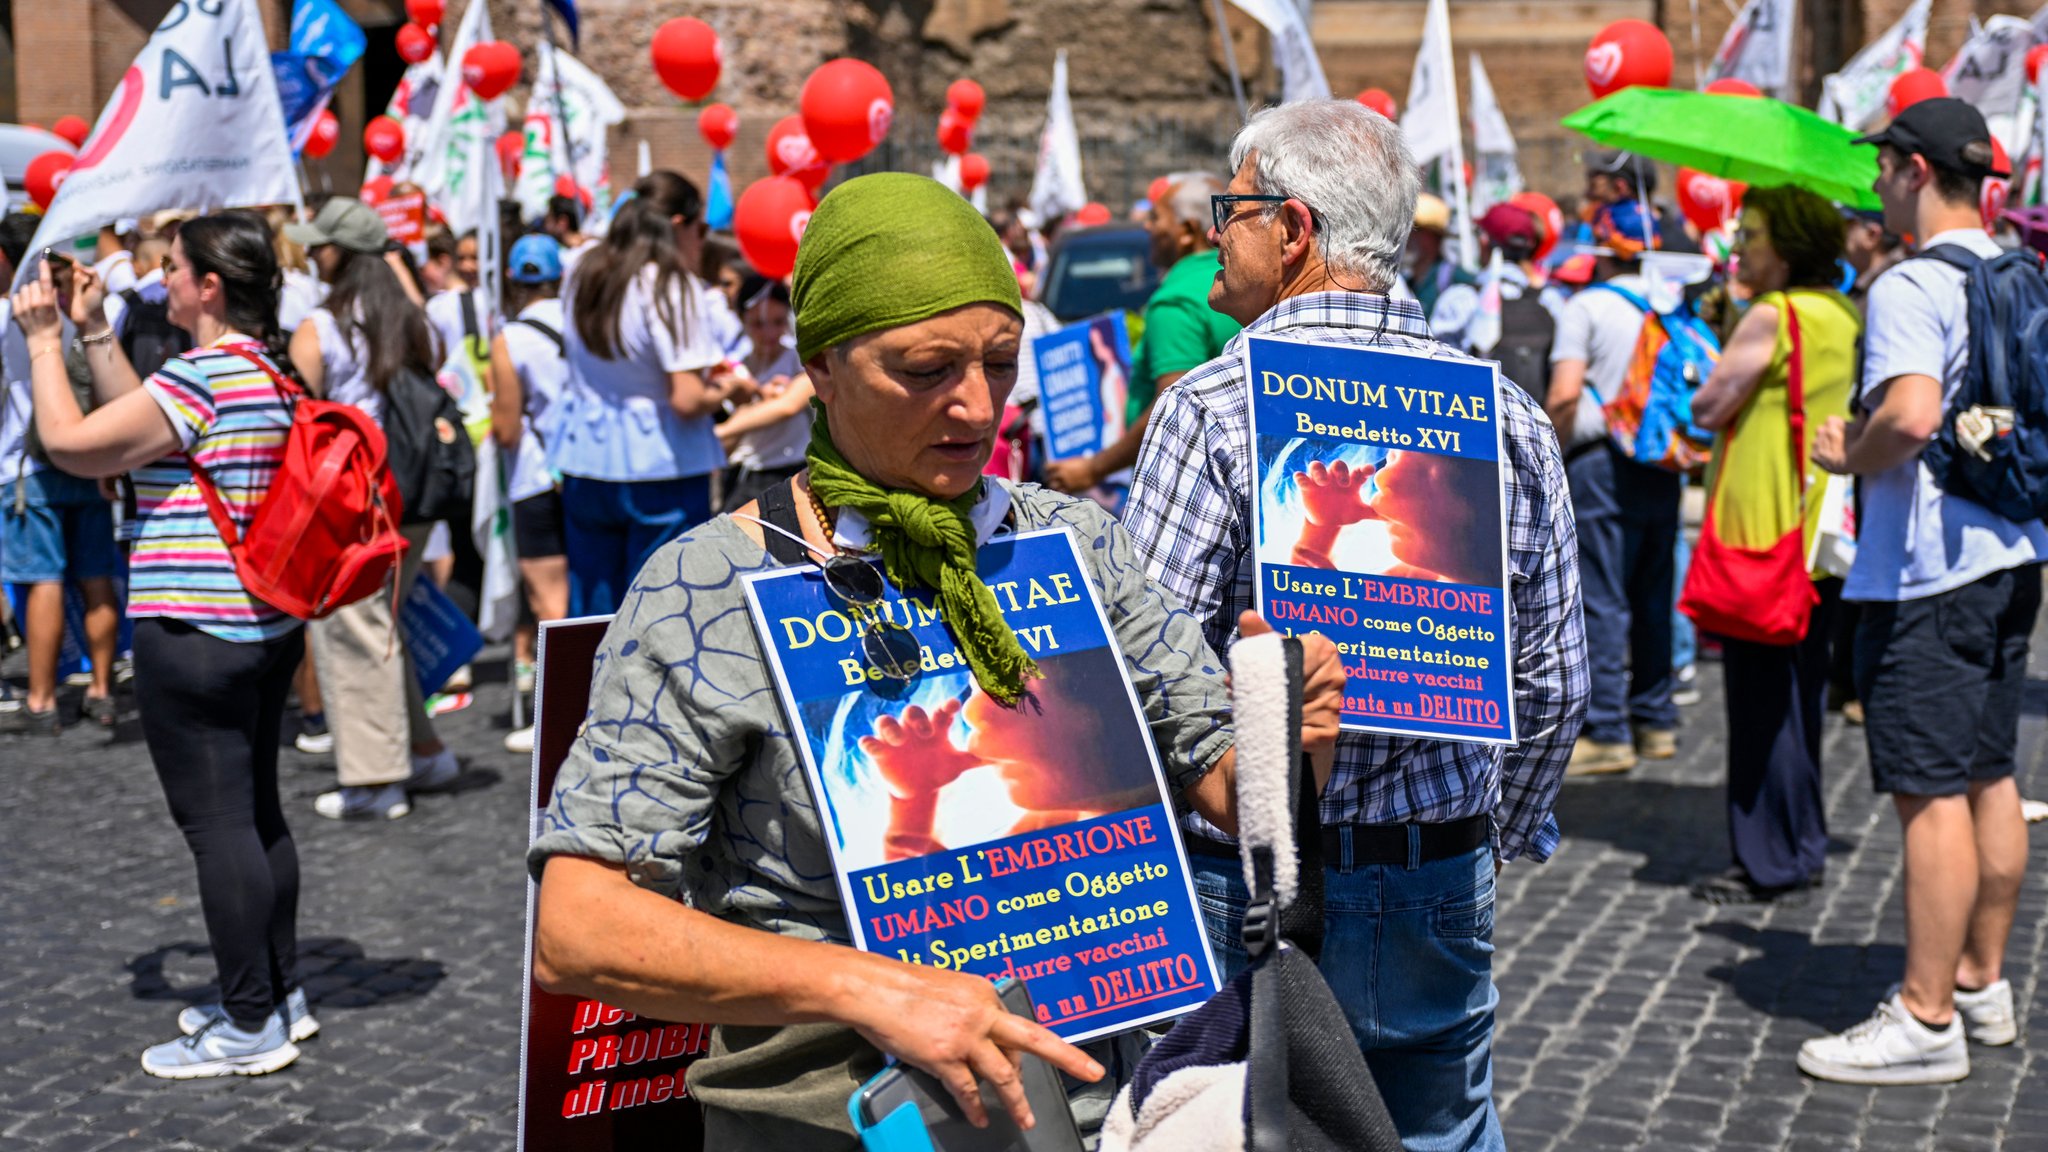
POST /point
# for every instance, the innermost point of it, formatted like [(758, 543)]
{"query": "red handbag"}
[(1762, 595)]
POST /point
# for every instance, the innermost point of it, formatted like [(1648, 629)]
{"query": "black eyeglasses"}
[(1222, 208), (890, 648)]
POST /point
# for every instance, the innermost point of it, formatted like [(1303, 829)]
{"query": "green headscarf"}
[(883, 251)]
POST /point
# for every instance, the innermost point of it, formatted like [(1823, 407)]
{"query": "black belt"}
[(1375, 843)]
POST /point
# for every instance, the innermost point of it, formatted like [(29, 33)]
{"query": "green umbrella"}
[(1753, 139)]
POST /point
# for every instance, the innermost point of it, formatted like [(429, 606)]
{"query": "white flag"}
[(412, 105), (1056, 188), (1498, 175), (1758, 47), (1430, 123), (458, 163), (194, 123), (1990, 73), (1294, 54), (1855, 97), (565, 90)]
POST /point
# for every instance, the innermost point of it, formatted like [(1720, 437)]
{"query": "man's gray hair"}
[(1189, 195), (1348, 164)]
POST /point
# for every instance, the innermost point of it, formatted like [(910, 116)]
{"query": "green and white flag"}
[(569, 114)]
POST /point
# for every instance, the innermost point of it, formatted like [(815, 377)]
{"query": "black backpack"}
[(431, 456), (147, 334), (1527, 331)]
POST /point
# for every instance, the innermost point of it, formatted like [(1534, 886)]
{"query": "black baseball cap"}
[(1941, 129)]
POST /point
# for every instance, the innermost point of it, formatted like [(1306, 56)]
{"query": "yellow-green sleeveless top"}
[(1757, 501)]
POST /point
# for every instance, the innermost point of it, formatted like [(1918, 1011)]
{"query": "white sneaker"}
[(520, 741), (221, 1049), (458, 681), (303, 1026), (1987, 1015), (433, 773), (1889, 1048), (381, 801)]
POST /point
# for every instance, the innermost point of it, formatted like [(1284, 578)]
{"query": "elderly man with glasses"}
[(1311, 231)]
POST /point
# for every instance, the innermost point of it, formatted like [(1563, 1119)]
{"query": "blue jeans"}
[(611, 528), (1409, 954), (1627, 517)]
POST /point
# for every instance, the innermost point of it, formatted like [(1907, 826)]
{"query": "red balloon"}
[(490, 68), (965, 97), (325, 134), (2035, 56), (1545, 210), (376, 190), (426, 13), (1708, 201), (956, 133), (973, 171), (790, 153), (1912, 86), (1380, 101), (1625, 54), (769, 221), (45, 173), (718, 124), (415, 43), (846, 106), (511, 148), (1734, 86), (73, 129), (1092, 213), (384, 138), (687, 57), (566, 185)]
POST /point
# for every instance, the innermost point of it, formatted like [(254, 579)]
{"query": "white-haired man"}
[(1311, 232)]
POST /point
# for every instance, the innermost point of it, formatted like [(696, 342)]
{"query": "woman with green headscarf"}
[(684, 874)]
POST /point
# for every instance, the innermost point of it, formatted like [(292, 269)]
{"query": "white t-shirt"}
[(117, 272), (302, 292), (444, 312), (1913, 539), (1601, 328), (783, 443), (571, 255), (346, 363), (616, 422), (542, 373)]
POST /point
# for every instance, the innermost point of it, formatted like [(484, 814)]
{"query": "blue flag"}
[(718, 199), (566, 9), (325, 44)]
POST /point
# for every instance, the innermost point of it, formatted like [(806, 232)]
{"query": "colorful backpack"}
[(1650, 416)]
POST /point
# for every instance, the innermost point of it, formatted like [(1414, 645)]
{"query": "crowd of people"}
[(669, 420)]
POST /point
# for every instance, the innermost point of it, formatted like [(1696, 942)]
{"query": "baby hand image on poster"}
[(1054, 758), (1441, 513)]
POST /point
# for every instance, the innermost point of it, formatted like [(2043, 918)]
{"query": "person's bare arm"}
[(793, 398), (508, 396), (1908, 414), (693, 395), (1561, 403), (405, 278), (119, 436), (599, 935), (305, 357), (1214, 796), (1742, 366)]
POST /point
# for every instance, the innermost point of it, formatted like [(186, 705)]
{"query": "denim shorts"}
[(65, 530)]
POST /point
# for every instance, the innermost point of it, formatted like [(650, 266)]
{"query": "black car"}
[(1096, 270)]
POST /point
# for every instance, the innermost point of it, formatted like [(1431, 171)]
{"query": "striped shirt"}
[(1190, 518), (231, 421)]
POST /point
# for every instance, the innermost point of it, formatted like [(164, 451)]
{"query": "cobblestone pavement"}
[(1631, 1016)]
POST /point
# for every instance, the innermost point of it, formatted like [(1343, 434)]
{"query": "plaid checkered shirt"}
[(1190, 517)]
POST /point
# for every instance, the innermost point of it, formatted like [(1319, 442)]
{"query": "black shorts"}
[(1941, 679), (537, 526)]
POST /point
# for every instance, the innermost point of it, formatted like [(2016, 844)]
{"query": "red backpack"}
[(326, 533)]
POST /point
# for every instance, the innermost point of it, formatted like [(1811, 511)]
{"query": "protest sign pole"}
[(1244, 111), (547, 24)]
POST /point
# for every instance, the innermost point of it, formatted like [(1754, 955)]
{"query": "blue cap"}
[(535, 259)]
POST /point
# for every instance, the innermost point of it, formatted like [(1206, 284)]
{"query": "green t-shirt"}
[(1181, 331)]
